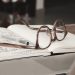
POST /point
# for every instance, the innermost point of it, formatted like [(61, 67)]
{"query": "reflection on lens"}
[(44, 38), (60, 29), (60, 32)]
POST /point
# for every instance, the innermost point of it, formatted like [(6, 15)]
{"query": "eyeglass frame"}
[(49, 30)]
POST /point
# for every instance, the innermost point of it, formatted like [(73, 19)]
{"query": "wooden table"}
[(70, 28)]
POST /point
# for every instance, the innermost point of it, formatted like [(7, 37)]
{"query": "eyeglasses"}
[(57, 32)]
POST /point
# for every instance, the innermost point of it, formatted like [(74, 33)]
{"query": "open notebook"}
[(21, 34)]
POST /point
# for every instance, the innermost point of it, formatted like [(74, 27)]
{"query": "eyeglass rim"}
[(37, 38), (65, 30)]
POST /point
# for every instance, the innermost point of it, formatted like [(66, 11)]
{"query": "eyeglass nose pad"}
[(37, 43), (53, 30)]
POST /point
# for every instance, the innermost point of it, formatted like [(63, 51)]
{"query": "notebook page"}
[(7, 36), (7, 53)]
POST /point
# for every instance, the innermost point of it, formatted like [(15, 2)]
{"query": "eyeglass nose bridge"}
[(37, 41)]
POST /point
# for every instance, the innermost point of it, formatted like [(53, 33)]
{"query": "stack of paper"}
[(67, 45)]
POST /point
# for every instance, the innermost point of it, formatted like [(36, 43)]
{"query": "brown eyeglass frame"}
[(58, 21), (55, 27)]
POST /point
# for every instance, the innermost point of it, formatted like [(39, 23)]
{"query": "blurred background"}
[(36, 11)]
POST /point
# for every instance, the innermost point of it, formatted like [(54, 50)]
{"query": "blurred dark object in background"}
[(6, 6), (54, 3), (23, 8), (4, 19), (19, 6)]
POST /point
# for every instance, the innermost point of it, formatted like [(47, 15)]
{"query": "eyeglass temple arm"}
[(28, 25)]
